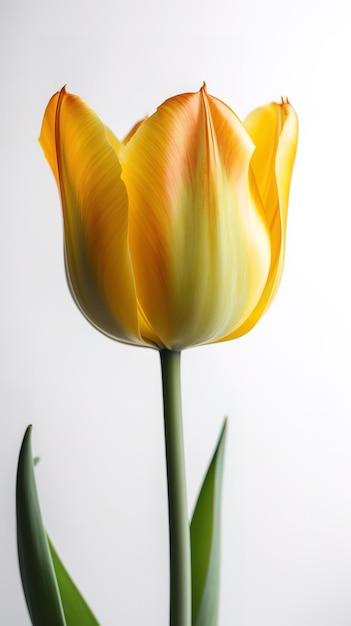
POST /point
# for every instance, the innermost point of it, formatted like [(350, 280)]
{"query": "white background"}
[(96, 405)]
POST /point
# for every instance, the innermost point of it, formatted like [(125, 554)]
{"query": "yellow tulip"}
[(175, 236)]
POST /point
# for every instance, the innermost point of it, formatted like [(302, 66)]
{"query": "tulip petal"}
[(199, 243), (116, 144), (113, 141), (274, 131), (95, 214), (132, 131)]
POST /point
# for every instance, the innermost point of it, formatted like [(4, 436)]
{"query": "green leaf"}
[(205, 542), (76, 609), (52, 597), (37, 571)]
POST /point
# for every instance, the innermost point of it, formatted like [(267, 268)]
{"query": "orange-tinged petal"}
[(274, 131), (199, 243), (95, 213)]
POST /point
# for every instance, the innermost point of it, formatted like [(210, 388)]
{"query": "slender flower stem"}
[(179, 532)]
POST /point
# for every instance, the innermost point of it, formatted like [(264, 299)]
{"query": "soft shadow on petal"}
[(113, 141)]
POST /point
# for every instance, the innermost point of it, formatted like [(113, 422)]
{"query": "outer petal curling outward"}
[(274, 131), (199, 243), (95, 214)]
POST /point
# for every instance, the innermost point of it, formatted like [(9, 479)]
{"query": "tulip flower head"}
[(175, 236)]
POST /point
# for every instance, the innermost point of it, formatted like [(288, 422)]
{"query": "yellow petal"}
[(274, 131), (132, 131), (95, 214), (199, 243), (113, 141), (116, 144)]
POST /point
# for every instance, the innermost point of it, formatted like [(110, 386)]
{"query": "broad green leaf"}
[(76, 609), (205, 542), (37, 571)]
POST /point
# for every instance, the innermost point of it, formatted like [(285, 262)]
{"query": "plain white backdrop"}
[(95, 405)]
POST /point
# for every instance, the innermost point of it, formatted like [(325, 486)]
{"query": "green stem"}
[(179, 531)]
